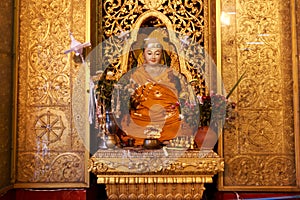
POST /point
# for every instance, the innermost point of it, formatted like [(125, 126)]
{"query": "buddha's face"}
[(152, 56)]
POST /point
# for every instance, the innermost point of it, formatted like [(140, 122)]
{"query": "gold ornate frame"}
[(40, 39), (260, 171), (172, 37), (104, 27)]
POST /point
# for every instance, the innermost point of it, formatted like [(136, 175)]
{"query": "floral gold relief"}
[(259, 150), (48, 166), (49, 147), (189, 18), (123, 14)]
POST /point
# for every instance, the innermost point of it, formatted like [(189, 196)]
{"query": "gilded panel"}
[(49, 166), (187, 18), (259, 148), (49, 147), (47, 127)]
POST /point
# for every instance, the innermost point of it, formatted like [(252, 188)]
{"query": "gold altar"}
[(167, 173), (154, 174)]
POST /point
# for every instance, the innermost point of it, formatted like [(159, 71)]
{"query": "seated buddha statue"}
[(155, 104)]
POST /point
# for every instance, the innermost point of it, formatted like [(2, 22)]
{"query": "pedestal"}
[(155, 174)]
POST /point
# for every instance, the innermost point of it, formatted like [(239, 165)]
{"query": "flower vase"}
[(205, 138), (111, 129), (111, 141)]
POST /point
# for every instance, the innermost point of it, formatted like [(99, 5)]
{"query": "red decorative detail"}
[(51, 194)]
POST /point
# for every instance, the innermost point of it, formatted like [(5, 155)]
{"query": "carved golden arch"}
[(172, 36)]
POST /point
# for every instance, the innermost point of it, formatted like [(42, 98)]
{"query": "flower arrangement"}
[(214, 108), (217, 107), (211, 109)]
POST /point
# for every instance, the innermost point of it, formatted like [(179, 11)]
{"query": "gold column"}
[(260, 149), (49, 147)]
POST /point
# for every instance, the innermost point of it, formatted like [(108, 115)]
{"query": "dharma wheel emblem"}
[(49, 127)]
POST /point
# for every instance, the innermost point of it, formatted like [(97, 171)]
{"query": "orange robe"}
[(158, 106)]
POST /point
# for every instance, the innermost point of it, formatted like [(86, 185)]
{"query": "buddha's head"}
[(153, 51)]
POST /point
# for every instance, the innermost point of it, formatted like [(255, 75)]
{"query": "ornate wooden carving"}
[(259, 150), (49, 148), (165, 174)]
